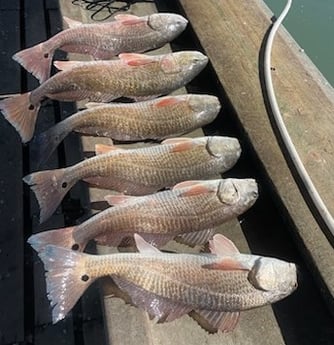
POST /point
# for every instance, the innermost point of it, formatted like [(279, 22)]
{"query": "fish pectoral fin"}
[(156, 306), (94, 104), (223, 321), (176, 140), (129, 19), (226, 264), (195, 238), (118, 199), (71, 23), (133, 59), (100, 149), (179, 144), (66, 65), (221, 246), (170, 100)]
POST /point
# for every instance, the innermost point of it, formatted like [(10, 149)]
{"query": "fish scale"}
[(182, 278), (195, 209)]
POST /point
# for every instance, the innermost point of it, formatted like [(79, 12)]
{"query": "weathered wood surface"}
[(11, 210), (231, 33)]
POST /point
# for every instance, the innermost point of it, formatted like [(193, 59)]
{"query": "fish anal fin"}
[(156, 306), (143, 246), (221, 246), (118, 199), (195, 238), (223, 321), (71, 23), (133, 59), (226, 264)]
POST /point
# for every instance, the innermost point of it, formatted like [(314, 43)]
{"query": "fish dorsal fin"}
[(118, 199), (133, 59), (71, 23), (100, 149), (129, 19), (222, 246), (145, 247), (66, 65), (90, 105), (169, 101)]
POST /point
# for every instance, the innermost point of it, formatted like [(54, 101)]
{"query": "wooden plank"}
[(35, 32), (11, 189), (231, 32)]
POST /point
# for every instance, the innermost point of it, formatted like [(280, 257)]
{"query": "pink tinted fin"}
[(111, 239), (21, 114), (66, 65), (118, 199), (62, 237), (226, 264), (187, 184), (223, 321), (156, 306), (195, 238), (169, 101), (182, 146), (133, 59), (66, 278), (176, 140), (36, 60), (94, 104), (101, 149), (198, 189), (121, 17), (50, 187), (71, 23), (169, 65), (222, 246), (143, 246)]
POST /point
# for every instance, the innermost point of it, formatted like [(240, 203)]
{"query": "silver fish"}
[(216, 286), (126, 34), (155, 119), (134, 76), (139, 171), (189, 212)]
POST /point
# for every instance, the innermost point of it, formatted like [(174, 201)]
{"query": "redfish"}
[(135, 76), (138, 171), (156, 119), (126, 34), (189, 212), (216, 285)]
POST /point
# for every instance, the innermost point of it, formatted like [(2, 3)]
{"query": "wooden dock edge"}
[(231, 33)]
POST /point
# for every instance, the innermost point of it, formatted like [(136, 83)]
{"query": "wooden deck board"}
[(11, 208), (233, 49)]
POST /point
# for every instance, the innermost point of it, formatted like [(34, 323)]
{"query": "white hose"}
[(298, 164)]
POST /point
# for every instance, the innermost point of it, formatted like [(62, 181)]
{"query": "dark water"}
[(311, 23)]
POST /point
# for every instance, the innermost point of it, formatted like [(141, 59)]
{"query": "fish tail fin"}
[(66, 278), (21, 114), (36, 60), (62, 237), (50, 187), (45, 143)]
